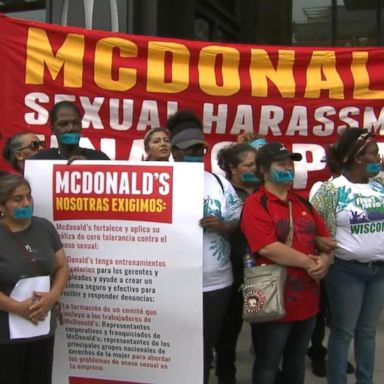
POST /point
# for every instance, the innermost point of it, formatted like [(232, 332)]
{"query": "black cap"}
[(274, 151)]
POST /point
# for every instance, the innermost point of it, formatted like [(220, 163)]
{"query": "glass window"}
[(202, 29), (337, 22), (36, 15), (24, 9), (222, 35), (312, 22), (357, 23), (380, 32), (229, 5)]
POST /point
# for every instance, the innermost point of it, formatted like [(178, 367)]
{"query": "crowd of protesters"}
[(335, 253)]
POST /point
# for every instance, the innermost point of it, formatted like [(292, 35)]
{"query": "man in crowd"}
[(66, 125), (222, 210)]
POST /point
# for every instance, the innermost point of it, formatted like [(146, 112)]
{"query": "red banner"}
[(125, 84)]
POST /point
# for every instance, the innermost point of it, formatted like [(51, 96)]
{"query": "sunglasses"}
[(34, 145)]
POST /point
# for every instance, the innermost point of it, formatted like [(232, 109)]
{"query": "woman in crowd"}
[(265, 224), (157, 144), (317, 352), (352, 205), (20, 147), (29, 247), (238, 161)]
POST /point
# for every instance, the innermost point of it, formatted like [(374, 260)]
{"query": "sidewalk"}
[(245, 358)]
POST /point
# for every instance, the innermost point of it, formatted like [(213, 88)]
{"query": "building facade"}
[(271, 22)]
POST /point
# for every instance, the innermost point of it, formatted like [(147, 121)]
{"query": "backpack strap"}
[(263, 201), (218, 180), (306, 202)]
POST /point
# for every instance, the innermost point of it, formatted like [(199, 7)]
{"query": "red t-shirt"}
[(262, 227)]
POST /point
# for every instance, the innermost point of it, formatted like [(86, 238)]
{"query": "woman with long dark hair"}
[(238, 161)]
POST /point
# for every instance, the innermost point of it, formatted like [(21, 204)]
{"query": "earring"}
[(358, 161), (2, 214)]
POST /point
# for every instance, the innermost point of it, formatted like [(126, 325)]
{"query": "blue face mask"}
[(258, 143), (69, 138), (193, 159), (249, 177), (374, 168), (281, 177), (22, 213)]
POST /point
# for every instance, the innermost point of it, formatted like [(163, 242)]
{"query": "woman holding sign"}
[(33, 274)]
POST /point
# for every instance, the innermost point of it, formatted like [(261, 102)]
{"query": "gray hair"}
[(11, 146)]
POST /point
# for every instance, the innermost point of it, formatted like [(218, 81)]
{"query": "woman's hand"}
[(325, 244), (320, 269), (217, 224), (22, 308), (42, 304), (213, 223)]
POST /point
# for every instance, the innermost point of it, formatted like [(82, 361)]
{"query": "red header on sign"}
[(112, 192)]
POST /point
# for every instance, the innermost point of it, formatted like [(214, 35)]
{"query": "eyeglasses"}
[(34, 145)]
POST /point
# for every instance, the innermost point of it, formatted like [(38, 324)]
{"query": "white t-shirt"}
[(217, 269), (359, 220)]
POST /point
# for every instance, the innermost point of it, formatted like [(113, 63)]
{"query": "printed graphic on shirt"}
[(365, 213), (29, 249), (218, 247), (212, 207)]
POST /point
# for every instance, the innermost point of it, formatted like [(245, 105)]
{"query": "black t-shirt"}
[(2, 173), (40, 241), (54, 154)]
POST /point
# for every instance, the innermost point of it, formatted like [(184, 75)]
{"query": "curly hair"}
[(231, 156), (341, 154)]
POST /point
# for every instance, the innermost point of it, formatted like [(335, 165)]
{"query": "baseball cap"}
[(188, 137), (274, 151)]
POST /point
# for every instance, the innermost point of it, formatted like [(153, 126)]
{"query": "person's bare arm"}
[(282, 254), (216, 224)]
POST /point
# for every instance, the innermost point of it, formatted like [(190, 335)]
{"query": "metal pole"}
[(334, 23)]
